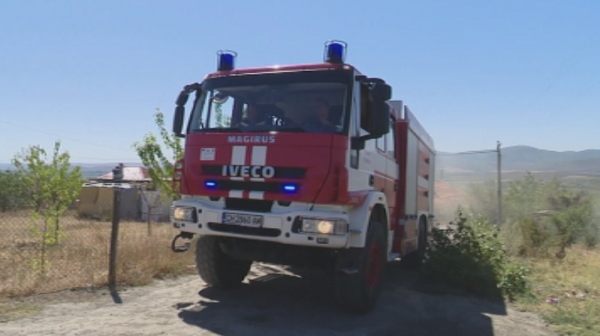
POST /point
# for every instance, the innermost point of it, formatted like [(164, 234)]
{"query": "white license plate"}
[(242, 219)]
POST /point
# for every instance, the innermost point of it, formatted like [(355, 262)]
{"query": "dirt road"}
[(272, 303)]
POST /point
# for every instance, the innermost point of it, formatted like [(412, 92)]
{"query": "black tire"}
[(357, 292), (414, 260), (217, 268)]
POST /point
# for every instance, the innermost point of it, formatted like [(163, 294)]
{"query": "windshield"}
[(311, 107)]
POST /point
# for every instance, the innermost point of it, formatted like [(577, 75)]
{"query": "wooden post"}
[(114, 235)]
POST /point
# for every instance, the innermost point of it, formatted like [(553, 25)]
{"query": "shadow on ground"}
[(277, 304)]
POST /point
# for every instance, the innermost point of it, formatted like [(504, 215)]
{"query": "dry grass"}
[(574, 283), (81, 258)]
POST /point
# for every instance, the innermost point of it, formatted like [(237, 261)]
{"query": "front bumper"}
[(276, 227)]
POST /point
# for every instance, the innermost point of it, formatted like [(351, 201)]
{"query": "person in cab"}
[(254, 116), (319, 122)]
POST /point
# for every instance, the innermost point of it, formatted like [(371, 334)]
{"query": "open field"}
[(80, 259), (455, 188), (574, 283), (589, 182)]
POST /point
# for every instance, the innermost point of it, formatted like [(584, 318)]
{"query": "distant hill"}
[(89, 170), (523, 158)]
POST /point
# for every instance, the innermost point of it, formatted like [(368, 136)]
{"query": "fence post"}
[(114, 235)]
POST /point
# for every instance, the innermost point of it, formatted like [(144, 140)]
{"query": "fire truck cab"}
[(305, 165)]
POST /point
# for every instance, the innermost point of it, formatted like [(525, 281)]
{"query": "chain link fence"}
[(40, 256), (467, 180)]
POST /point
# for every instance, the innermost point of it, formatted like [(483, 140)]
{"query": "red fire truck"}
[(305, 165)]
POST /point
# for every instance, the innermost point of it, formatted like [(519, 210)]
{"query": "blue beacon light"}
[(210, 184), (335, 51), (226, 60), (290, 188)]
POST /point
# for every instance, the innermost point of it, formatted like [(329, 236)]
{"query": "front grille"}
[(243, 204), (280, 172), (264, 232), (274, 187)]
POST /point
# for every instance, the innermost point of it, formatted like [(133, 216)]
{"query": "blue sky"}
[(93, 72)]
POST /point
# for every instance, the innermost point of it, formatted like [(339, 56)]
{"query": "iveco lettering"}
[(310, 165), (249, 171)]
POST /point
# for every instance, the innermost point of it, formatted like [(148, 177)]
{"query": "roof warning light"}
[(226, 60), (335, 51)]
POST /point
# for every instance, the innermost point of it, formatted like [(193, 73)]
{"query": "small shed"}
[(96, 198), (96, 201), (130, 175)]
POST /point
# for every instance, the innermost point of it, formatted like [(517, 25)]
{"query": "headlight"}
[(324, 226), (185, 214)]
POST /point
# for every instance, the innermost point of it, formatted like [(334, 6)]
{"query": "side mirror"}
[(378, 126), (381, 91), (178, 120), (380, 119), (180, 109)]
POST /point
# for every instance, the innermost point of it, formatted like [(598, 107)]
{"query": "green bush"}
[(540, 216), (568, 221), (527, 237), (591, 236), (469, 255)]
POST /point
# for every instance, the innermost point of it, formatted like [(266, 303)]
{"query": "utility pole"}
[(499, 183)]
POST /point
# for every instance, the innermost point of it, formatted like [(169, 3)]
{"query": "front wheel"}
[(218, 268), (359, 273)]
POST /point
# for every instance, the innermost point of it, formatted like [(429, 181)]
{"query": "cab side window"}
[(380, 143), (391, 141), (365, 119)]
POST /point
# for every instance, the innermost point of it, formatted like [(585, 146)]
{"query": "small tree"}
[(151, 153), (154, 200), (51, 187)]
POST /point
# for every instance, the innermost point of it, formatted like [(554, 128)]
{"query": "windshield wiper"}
[(292, 129)]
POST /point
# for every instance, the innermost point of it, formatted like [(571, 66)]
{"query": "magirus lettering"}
[(251, 139), (248, 171)]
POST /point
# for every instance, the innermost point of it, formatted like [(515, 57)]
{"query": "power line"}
[(62, 137), (469, 152)]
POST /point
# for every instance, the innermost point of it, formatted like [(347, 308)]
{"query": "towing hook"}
[(184, 247)]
